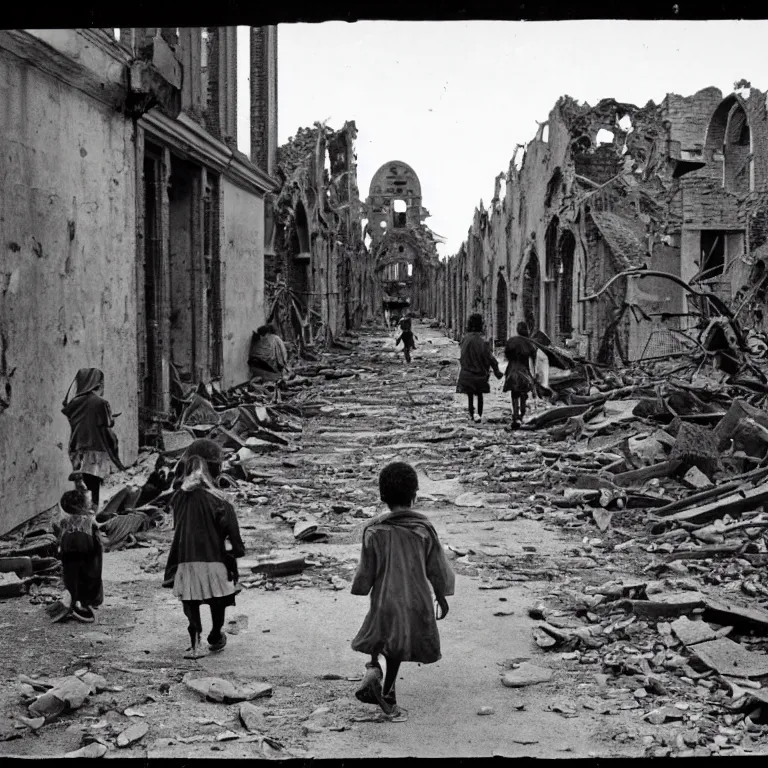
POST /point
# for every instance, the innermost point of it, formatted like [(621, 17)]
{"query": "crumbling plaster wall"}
[(242, 279), (67, 278)]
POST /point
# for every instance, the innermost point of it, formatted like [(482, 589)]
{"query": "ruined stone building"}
[(132, 230), (317, 268), (679, 188), (402, 246)]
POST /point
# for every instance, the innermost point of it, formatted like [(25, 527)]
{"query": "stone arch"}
[(728, 144), (531, 291), (567, 250), (502, 309), (408, 184)]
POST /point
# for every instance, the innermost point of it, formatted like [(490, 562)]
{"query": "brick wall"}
[(599, 166)]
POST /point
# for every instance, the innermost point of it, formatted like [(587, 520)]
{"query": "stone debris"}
[(131, 735), (526, 674), (223, 691)]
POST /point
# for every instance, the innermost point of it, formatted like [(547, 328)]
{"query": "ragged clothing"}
[(521, 356), (82, 557), (407, 338), (199, 568), (476, 362), (93, 446), (401, 557), (268, 350)]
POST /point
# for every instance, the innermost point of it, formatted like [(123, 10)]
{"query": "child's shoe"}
[(477, 419), (214, 646), (370, 691), (83, 613)]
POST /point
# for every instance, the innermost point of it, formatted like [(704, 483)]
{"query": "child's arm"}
[(399, 339), (366, 568), (441, 576), (232, 531)]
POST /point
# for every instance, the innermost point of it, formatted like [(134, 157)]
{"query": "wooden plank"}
[(662, 469), (734, 504)]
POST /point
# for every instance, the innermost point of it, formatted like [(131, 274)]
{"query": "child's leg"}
[(479, 404), (407, 351), (393, 667), (471, 405), (515, 407), (523, 399), (216, 637), (195, 628)]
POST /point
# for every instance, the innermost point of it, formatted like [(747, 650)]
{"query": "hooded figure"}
[(93, 445), (268, 353)]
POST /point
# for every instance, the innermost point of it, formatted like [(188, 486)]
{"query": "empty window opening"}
[(302, 228), (545, 133), (604, 136), (625, 123), (565, 298), (399, 206), (363, 225), (367, 240), (401, 249), (383, 224), (327, 165), (531, 292), (712, 262), (502, 309), (409, 269), (116, 34)]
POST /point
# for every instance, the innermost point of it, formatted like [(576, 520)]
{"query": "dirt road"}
[(299, 628)]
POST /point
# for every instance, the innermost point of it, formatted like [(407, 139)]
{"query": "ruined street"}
[(522, 563)]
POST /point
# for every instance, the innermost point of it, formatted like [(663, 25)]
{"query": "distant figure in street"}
[(268, 356), (476, 360), (401, 557), (81, 554), (93, 445), (200, 569), (407, 337), (521, 369)]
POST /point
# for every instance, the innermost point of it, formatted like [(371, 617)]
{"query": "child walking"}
[(200, 569), (401, 557), (407, 337), (476, 359), (82, 555), (93, 446), (521, 369)]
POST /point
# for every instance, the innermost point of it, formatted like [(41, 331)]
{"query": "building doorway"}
[(531, 292), (502, 309)]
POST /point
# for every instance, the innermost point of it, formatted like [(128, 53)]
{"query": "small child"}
[(521, 369), (200, 569), (401, 557), (407, 337), (476, 364), (93, 446), (81, 554)]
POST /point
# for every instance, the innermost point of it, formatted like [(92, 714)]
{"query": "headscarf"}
[(87, 380), (204, 451), (192, 473)]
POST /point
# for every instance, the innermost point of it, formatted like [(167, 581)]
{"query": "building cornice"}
[(188, 138), (86, 60)]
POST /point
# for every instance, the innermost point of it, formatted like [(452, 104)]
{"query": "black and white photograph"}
[(383, 387)]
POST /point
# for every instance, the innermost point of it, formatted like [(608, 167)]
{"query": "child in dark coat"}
[(520, 352), (401, 557), (81, 554), (407, 337), (476, 363), (200, 569), (93, 447)]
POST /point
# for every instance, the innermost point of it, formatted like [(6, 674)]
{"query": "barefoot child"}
[(200, 569), (476, 360), (401, 557), (93, 443), (81, 554)]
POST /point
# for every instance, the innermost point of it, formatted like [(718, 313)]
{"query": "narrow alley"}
[(489, 494)]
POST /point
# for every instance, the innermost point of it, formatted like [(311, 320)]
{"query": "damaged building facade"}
[(333, 261), (317, 269), (132, 231), (679, 188)]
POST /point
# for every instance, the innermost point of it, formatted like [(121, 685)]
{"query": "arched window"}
[(531, 292)]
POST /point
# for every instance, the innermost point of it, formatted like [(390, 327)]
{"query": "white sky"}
[(452, 99)]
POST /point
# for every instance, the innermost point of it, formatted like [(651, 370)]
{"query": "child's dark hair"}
[(475, 323), (522, 328), (74, 502), (398, 484)]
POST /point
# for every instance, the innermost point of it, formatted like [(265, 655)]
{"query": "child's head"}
[(522, 328), (398, 484), (75, 503), (475, 323), (209, 451)]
